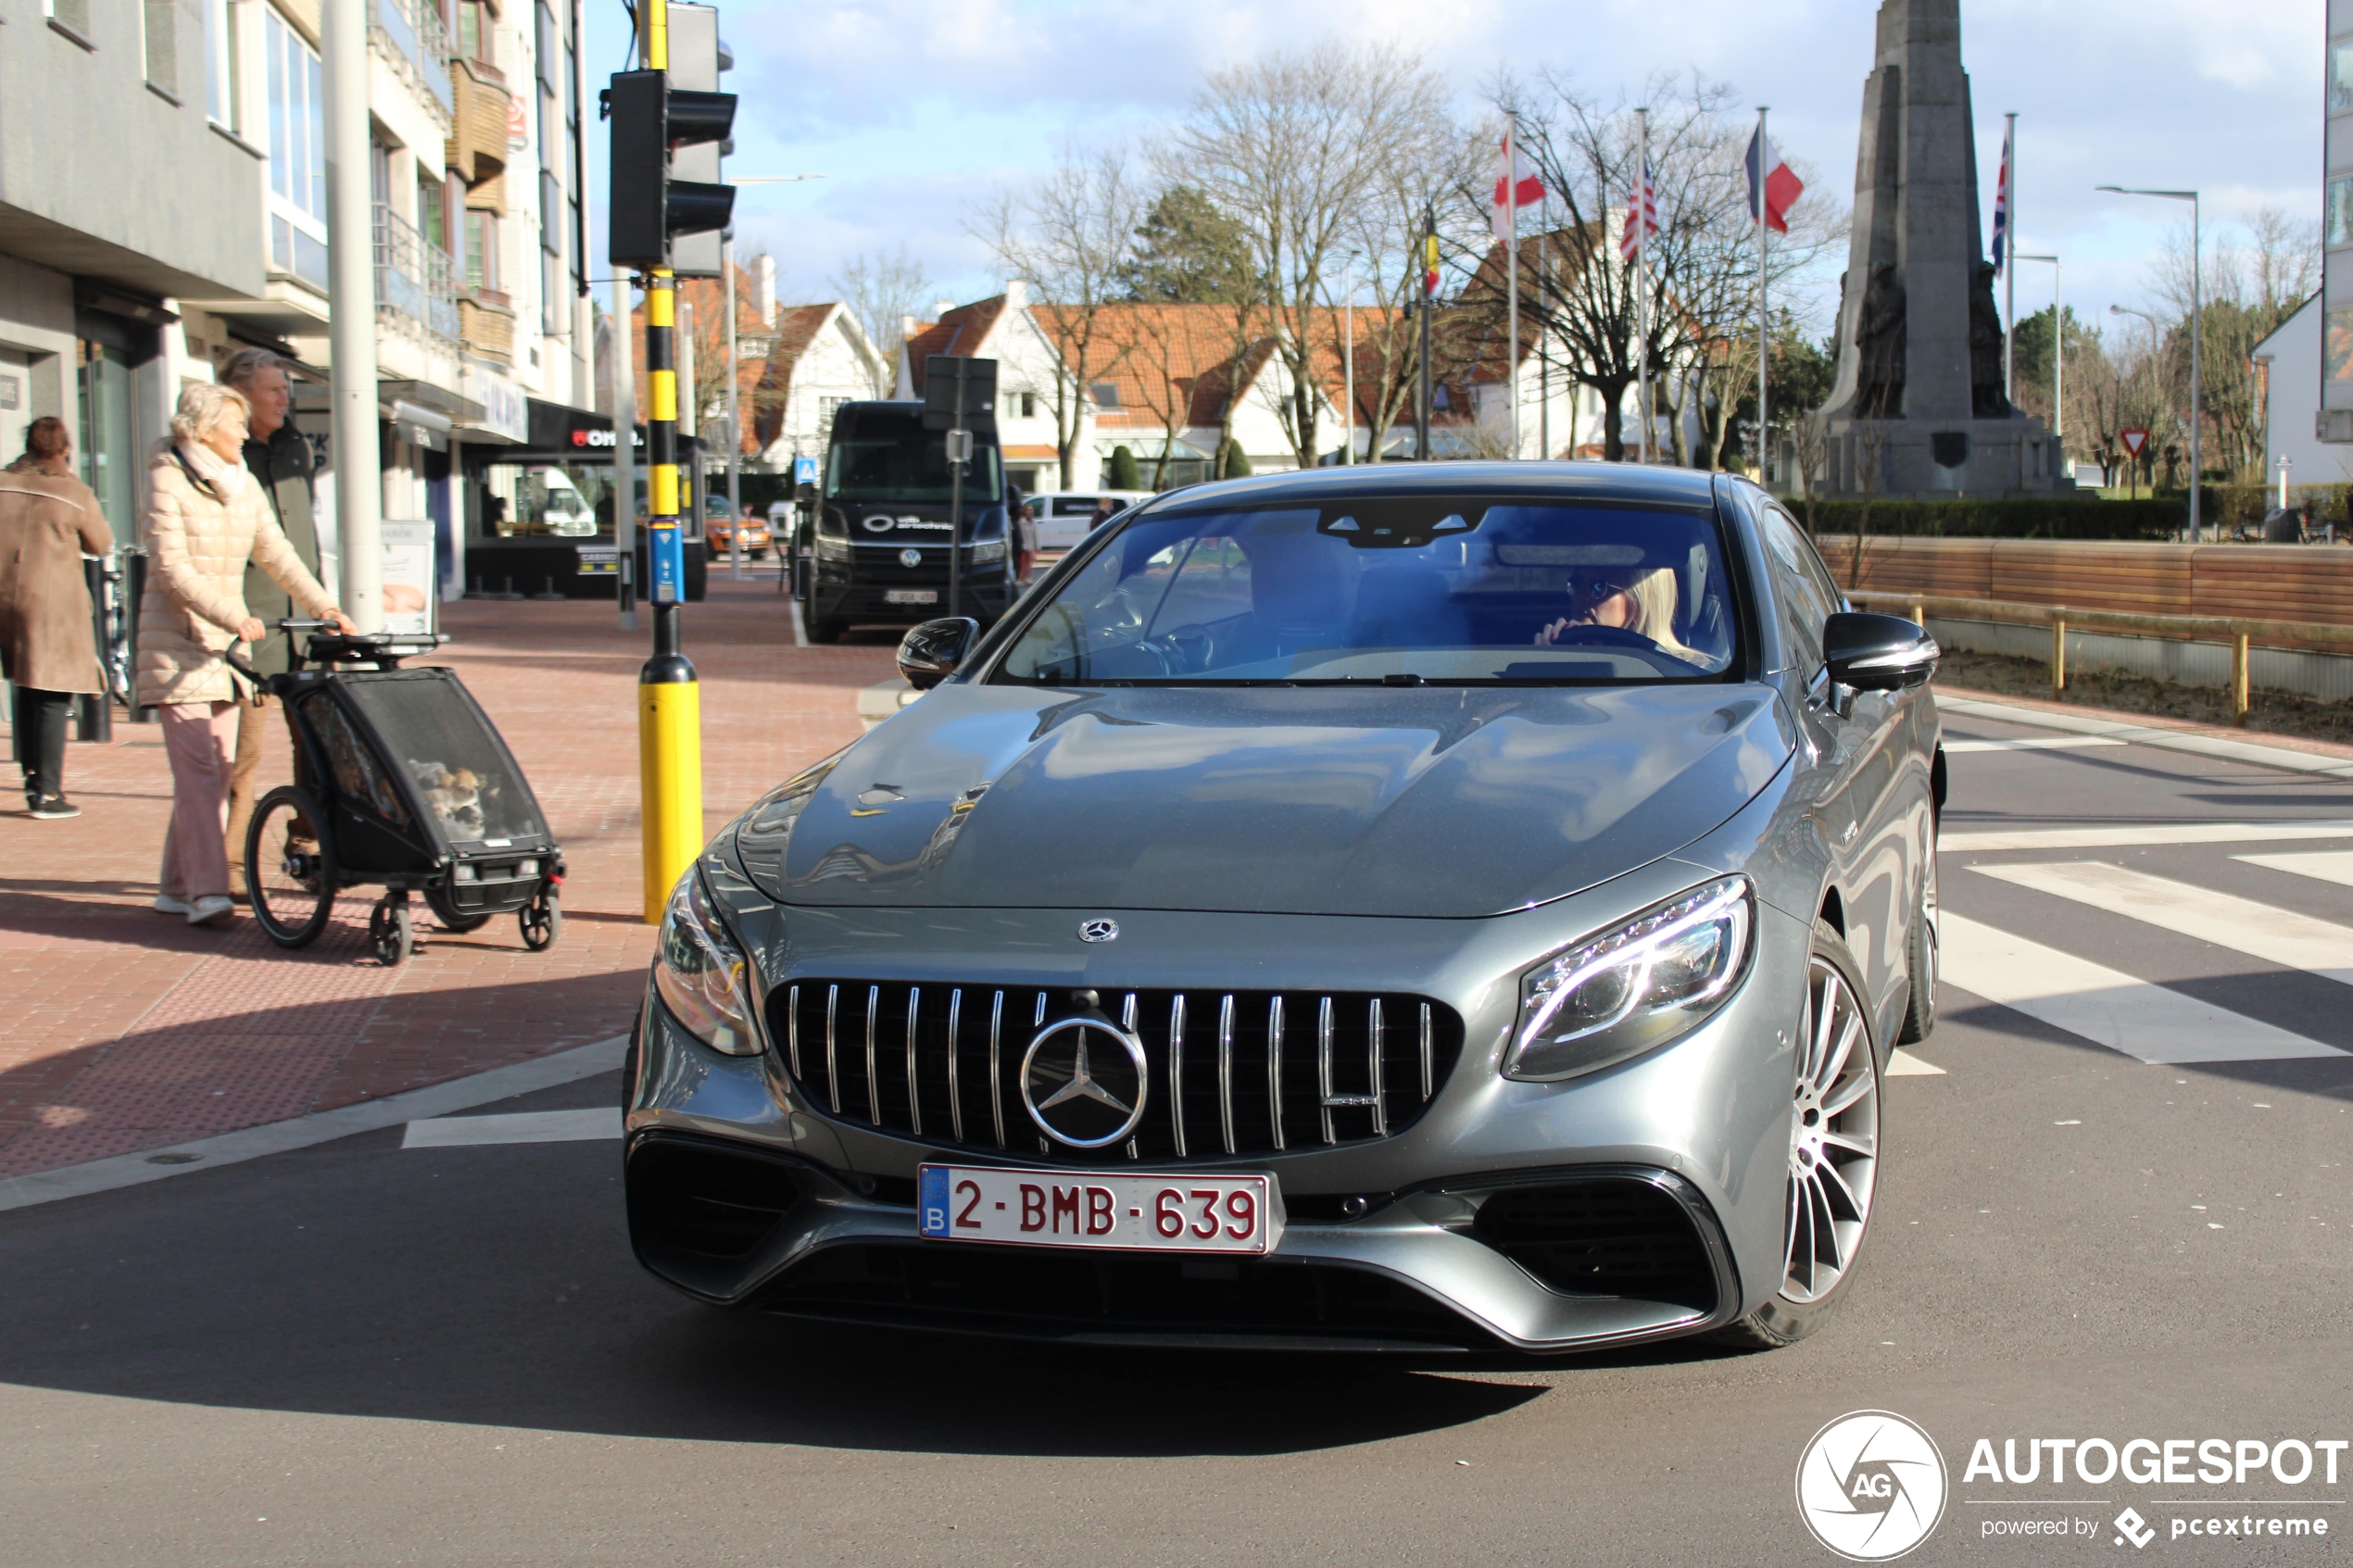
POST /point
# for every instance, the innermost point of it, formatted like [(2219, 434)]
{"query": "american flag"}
[(1641, 206)]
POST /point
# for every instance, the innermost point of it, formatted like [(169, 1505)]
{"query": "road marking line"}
[(2040, 743), (525, 1126), (2280, 757), (2106, 1006), (2140, 835), (1902, 1063), (2321, 865), (2280, 937), (317, 1127)]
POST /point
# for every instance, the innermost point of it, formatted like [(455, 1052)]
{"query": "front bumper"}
[(1389, 1243)]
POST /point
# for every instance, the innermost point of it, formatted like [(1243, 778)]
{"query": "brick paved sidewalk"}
[(121, 1029)]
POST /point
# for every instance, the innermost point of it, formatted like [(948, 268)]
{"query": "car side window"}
[(1801, 585)]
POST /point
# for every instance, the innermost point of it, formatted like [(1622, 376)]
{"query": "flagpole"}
[(2009, 253), (1511, 269), (1759, 176), (1639, 216)]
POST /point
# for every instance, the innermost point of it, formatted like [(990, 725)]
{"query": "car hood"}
[(1394, 801)]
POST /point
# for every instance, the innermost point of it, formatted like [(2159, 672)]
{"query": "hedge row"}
[(2034, 519)]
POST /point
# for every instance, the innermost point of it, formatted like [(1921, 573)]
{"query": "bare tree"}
[(881, 291), (1702, 264), (1072, 234), (1298, 149), (2247, 286)]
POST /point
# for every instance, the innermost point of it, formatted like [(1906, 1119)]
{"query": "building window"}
[(551, 297), (71, 15), (161, 34), (1106, 394), (551, 214), (432, 216), (297, 154), (2339, 230), (220, 64), (477, 32), (2341, 76), (2337, 360), (549, 52), (482, 251)]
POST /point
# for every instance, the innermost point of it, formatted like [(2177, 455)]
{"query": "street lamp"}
[(2157, 332), (735, 396), (2197, 310), (1348, 356), (2058, 351)]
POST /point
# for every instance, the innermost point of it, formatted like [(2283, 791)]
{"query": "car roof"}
[(1582, 481)]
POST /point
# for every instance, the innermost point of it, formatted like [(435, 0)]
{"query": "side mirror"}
[(930, 653), (1878, 653)]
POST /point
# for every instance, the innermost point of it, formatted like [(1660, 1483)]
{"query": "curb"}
[(318, 1127), (2260, 756)]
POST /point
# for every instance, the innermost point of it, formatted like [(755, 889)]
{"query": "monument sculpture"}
[(1918, 412)]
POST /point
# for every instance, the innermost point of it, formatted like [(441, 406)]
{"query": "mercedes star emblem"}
[(1083, 1098), (1099, 931), (911, 557)]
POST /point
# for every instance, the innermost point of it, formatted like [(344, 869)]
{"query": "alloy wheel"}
[(1833, 1143)]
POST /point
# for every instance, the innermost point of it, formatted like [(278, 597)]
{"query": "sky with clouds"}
[(911, 107)]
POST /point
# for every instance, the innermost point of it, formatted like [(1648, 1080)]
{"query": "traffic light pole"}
[(669, 697)]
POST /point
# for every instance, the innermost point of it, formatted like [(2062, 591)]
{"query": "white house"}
[(818, 358), (2291, 361)]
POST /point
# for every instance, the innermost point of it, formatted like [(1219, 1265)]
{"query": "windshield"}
[(1395, 589), (912, 467)]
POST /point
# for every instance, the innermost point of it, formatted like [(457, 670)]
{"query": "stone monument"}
[(1918, 410)]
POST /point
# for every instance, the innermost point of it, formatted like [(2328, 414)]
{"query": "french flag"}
[(1773, 186)]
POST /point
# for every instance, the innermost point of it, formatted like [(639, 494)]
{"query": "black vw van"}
[(881, 525)]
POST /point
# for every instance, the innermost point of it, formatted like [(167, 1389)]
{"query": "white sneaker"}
[(209, 907), (166, 903)]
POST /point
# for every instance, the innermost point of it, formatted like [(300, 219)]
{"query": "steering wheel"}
[(1191, 648), (1588, 635)]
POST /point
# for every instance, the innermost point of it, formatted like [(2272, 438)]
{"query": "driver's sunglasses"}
[(1592, 587)]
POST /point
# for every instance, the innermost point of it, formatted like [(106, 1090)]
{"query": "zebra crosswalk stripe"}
[(2137, 835), (2106, 1006), (2280, 937), (2321, 865)]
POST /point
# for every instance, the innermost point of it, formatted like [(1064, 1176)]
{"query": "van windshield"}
[(1407, 590), (911, 466)]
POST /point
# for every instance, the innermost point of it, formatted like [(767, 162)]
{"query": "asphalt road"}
[(363, 1353)]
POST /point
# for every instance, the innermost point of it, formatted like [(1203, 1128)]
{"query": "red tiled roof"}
[(1167, 364), (961, 331)]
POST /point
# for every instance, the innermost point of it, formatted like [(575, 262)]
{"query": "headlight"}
[(1632, 989), (832, 549), (701, 972), (987, 550)]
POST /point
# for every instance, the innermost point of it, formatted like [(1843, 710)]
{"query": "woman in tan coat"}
[(207, 516), (48, 521)]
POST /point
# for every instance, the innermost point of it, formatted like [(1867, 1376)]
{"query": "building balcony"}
[(413, 39), (487, 324), (477, 149), (415, 291)]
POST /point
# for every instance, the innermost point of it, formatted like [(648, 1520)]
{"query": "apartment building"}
[(185, 215)]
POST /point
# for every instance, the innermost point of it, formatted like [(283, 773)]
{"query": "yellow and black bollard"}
[(669, 698)]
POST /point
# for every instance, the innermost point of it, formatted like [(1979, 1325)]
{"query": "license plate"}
[(911, 595), (1122, 1211)]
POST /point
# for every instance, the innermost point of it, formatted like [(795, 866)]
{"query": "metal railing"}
[(414, 35), (415, 279), (2239, 633)]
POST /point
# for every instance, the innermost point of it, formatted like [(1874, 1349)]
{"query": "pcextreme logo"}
[(1871, 1486)]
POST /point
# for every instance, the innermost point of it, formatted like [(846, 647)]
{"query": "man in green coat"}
[(279, 458)]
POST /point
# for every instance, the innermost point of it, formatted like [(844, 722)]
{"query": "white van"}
[(1064, 517)]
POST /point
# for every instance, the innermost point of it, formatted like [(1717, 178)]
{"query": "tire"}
[(542, 921), (822, 633), (290, 867), (392, 933), (1834, 1174), (1922, 955)]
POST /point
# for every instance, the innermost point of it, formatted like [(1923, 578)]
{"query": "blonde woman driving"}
[(1632, 599)]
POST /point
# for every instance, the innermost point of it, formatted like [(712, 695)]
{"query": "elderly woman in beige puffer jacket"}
[(207, 516)]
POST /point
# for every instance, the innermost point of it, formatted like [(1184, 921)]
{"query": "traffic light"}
[(650, 119)]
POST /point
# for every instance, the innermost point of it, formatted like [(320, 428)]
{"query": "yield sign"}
[(2134, 440)]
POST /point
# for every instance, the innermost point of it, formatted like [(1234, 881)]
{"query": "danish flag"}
[(1644, 204)]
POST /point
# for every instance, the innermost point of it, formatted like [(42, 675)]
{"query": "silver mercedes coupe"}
[(1463, 905)]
